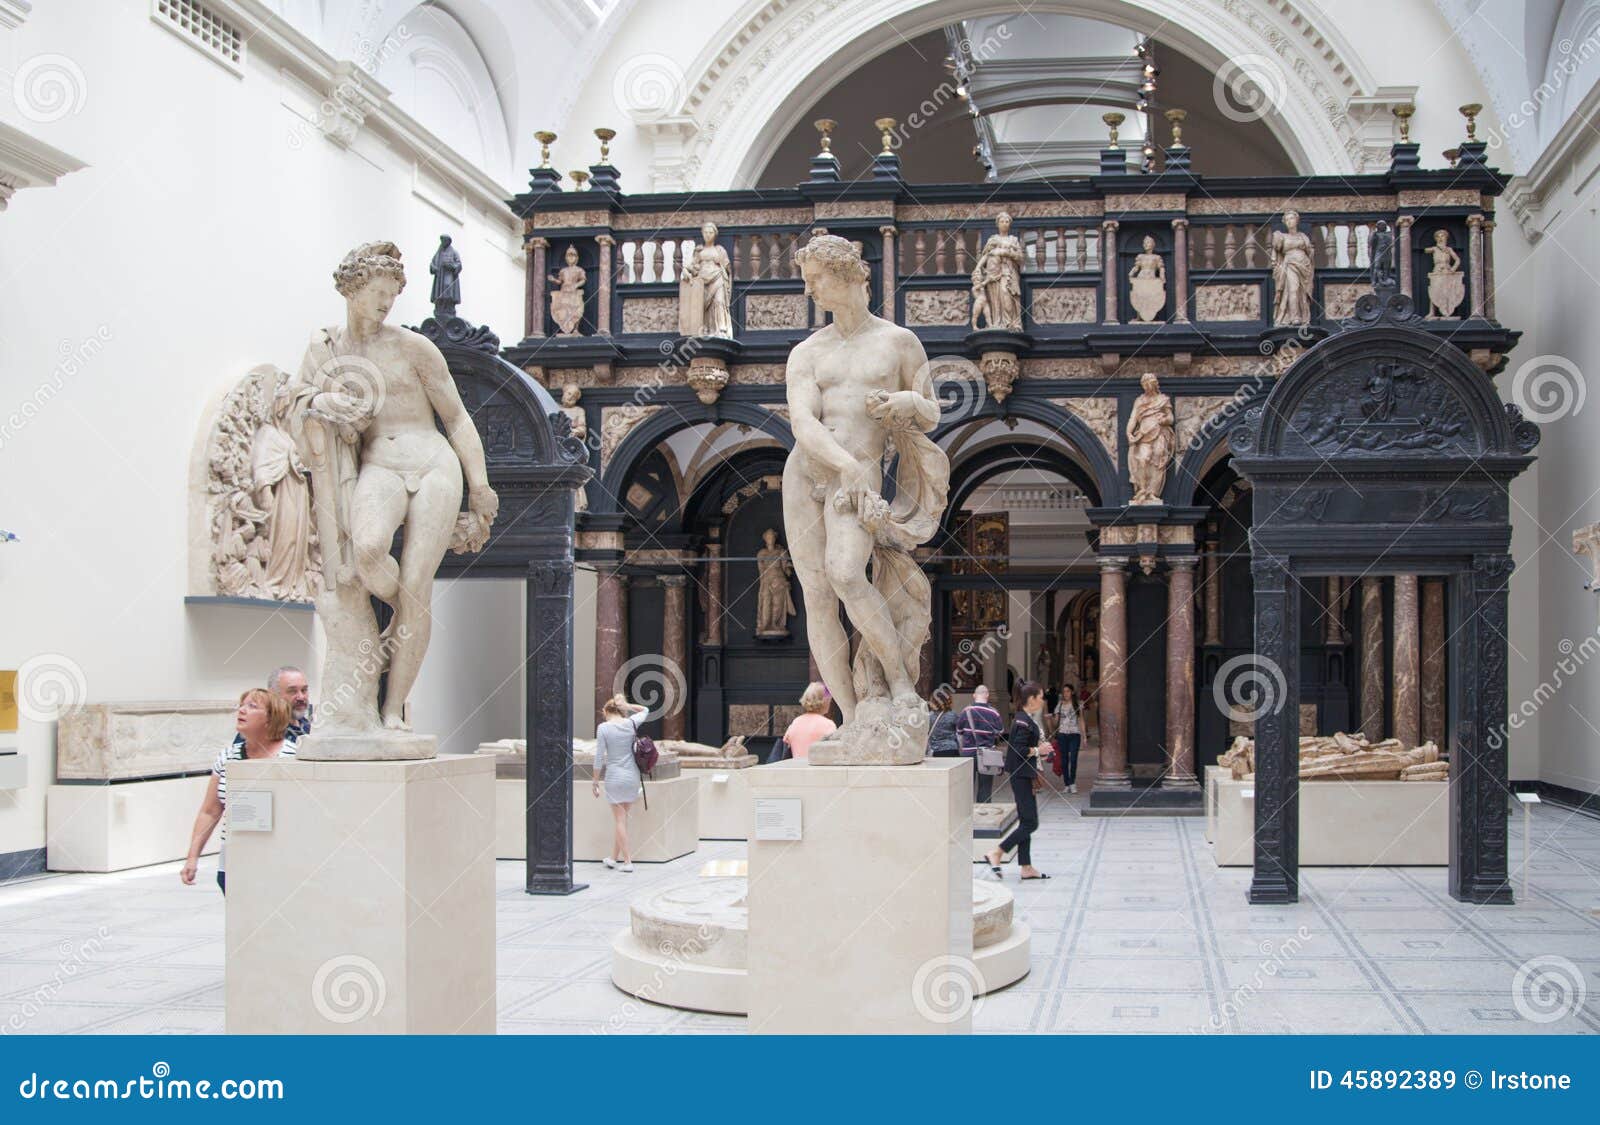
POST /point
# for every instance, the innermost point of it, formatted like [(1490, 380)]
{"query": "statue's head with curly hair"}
[(368, 261), (827, 261)]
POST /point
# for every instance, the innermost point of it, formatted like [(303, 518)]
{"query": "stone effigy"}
[(858, 389), (1347, 757)]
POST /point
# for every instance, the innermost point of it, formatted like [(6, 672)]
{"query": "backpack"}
[(645, 754)]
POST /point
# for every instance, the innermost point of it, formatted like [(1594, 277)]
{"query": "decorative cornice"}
[(1526, 194), (26, 161)]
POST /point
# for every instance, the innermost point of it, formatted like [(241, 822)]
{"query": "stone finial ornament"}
[(606, 136), (545, 139), (1113, 122)]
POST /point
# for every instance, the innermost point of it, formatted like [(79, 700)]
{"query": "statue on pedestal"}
[(1151, 442), (363, 412), (1292, 271), (446, 270), (705, 289), (997, 279), (1447, 286), (1147, 282), (566, 303), (774, 600), (859, 388)]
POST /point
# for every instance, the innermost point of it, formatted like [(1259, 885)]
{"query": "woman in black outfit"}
[(1021, 740), (942, 741)]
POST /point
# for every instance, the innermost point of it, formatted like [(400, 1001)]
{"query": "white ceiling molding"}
[(1375, 124), (1528, 193), (13, 12), (26, 161)]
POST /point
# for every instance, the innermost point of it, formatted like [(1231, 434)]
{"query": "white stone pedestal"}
[(668, 829), (115, 827), (1344, 823), (368, 908), (724, 804), (864, 924)]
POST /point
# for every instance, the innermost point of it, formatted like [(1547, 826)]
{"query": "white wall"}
[(471, 687), (199, 242)]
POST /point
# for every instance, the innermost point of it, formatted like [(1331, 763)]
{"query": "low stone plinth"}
[(666, 830), (1345, 823), (990, 824), (115, 827), (738, 762), (123, 741)]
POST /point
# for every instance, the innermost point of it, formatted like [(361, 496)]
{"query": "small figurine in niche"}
[(446, 270), (774, 597), (566, 303), (1446, 284), (1147, 282)]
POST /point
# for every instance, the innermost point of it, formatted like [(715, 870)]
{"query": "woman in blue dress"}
[(615, 769)]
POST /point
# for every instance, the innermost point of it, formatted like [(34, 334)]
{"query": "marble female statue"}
[(706, 288), (1292, 271), (997, 279), (1446, 284), (283, 494), (566, 303), (446, 271), (859, 388), (1151, 442), (1147, 282), (365, 404), (774, 599)]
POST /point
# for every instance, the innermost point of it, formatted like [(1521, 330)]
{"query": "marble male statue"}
[(857, 389), (446, 270), (366, 398)]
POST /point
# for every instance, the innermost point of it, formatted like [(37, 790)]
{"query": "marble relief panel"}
[(926, 308), (776, 310), (1077, 305), (650, 314), (1227, 302)]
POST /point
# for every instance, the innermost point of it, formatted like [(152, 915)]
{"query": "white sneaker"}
[(1072, 788), (628, 867), (609, 862)]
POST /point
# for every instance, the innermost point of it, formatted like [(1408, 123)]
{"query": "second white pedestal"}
[(669, 828), (864, 924), (368, 907), (115, 827)]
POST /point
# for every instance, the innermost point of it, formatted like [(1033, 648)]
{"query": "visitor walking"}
[(1021, 742), (942, 739), (1069, 736), (615, 768), (261, 726), (979, 728), (812, 724)]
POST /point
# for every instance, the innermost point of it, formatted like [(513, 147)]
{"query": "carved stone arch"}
[(749, 88), (1210, 445), (990, 460), (668, 419), (1106, 483)]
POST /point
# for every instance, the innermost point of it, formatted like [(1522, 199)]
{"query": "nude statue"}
[(858, 388), (366, 398)]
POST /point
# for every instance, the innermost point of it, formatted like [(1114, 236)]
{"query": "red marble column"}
[(713, 593), (1213, 594), (1433, 656), (1475, 261), (1180, 675), (675, 650), (603, 313), (1407, 670), (1180, 271), (536, 277), (1488, 268), (1108, 261), (1372, 658), (1113, 694), (890, 267), (1332, 629), (1404, 222), (611, 632)]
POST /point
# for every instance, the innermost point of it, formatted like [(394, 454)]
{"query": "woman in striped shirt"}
[(262, 721)]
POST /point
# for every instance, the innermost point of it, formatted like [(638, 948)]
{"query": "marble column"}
[(1405, 222), (1488, 268), (603, 313), (1372, 658), (1113, 695), (1475, 261), (1180, 271), (1407, 672), (891, 265), (1332, 625), (675, 648), (1213, 594), (1180, 675), (1433, 657), (611, 632), (1108, 260), (535, 311), (713, 593)]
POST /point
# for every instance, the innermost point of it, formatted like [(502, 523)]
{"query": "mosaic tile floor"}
[(1138, 930)]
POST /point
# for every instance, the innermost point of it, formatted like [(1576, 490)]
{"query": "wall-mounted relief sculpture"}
[(1292, 272), (1151, 442), (774, 595), (1447, 286), (1147, 282), (566, 301), (252, 498), (706, 289), (997, 279)]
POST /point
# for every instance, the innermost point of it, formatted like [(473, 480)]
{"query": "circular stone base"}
[(686, 946)]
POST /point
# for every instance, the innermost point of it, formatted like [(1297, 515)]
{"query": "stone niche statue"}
[(446, 270), (706, 289), (566, 303), (570, 394), (1446, 285), (1147, 282), (362, 413), (774, 598), (1151, 442), (1292, 271), (997, 279), (258, 498), (858, 389)]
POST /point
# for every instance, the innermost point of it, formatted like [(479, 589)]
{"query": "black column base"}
[(556, 887), (1484, 892), (1273, 892)]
